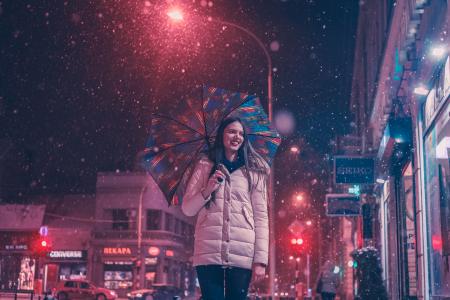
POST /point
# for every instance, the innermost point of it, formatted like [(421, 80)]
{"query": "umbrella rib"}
[(176, 121), (233, 109), (187, 166), (263, 135), (179, 144), (203, 114)]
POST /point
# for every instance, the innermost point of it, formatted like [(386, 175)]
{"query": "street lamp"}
[(177, 16), (295, 150)]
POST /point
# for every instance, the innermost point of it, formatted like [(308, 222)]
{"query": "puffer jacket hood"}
[(234, 230)]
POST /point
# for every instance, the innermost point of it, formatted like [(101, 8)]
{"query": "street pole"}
[(140, 257), (297, 271), (177, 16), (271, 206), (308, 274)]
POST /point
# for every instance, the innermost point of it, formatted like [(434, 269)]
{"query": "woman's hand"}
[(213, 183), (259, 271)]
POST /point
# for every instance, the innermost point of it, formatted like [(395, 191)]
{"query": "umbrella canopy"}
[(181, 134)]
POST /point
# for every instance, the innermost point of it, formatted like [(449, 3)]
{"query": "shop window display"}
[(118, 275), (72, 271), (437, 188), (26, 274)]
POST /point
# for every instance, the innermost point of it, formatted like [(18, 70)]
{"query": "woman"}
[(227, 191)]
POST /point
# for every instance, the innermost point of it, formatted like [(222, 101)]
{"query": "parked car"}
[(82, 290), (157, 292)]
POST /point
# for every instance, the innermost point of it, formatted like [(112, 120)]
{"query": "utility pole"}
[(140, 271)]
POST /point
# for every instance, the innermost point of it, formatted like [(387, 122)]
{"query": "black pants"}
[(328, 296), (218, 283)]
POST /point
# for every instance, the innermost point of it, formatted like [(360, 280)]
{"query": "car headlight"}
[(139, 295), (128, 294), (113, 293)]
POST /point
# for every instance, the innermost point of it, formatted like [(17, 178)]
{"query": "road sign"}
[(341, 205), (43, 230), (353, 170)]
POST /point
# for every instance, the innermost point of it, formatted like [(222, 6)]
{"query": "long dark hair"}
[(252, 160)]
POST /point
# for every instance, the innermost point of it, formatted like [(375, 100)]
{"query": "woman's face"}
[(233, 137)]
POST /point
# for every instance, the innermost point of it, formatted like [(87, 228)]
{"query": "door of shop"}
[(406, 234)]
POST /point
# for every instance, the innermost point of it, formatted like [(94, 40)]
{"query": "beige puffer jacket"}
[(233, 231)]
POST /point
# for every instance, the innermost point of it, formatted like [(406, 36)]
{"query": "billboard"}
[(342, 205), (353, 170)]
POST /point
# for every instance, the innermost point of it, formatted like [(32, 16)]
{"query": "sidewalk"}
[(22, 296)]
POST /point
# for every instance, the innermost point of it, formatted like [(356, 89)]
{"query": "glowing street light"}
[(298, 199), (438, 52), (421, 90), (175, 15), (308, 223), (295, 150)]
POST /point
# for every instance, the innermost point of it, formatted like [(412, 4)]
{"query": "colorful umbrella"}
[(180, 135)]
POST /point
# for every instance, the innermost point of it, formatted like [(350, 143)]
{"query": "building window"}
[(177, 226), (185, 228), (153, 219), (120, 219), (168, 223)]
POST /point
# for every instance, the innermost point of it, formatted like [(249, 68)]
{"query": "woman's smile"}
[(233, 137)]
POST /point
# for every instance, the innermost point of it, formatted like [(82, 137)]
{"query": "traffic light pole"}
[(308, 274), (297, 277)]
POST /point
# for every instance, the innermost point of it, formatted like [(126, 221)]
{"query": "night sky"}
[(79, 79)]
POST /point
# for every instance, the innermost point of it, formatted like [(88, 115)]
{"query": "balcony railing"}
[(147, 235)]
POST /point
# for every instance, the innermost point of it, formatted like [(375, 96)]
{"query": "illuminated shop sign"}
[(154, 251), (117, 251), (119, 263), (341, 205), (151, 261), (16, 247), (354, 170), (67, 254)]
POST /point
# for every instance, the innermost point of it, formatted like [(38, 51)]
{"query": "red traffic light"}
[(42, 246), (298, 241)]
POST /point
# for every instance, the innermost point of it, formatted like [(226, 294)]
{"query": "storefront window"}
[(437, 188), (26, 274), (118, 274), (72, 271)]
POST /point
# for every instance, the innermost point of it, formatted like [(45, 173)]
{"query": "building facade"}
[(19, 226), (138, 240), (124, 237), (400, 103), (69, 222)]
